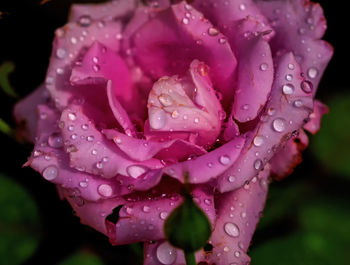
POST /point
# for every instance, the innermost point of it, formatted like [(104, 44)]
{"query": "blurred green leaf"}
[(19, 223), (82, 258), (6, 68), (323, 238), (331, 144), (5, 128)]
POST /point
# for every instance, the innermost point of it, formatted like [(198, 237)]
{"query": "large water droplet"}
[(258, 140), (157, 119), (84, 20), (312, 72), (231, 229), (279, 125), (213, 31), (264, 66), (50, 173), (298, 103), (224, 159), (55, 140), (166, 254), (61, 53), (105, 190), (163, 215), (135, 171), (288, 89), (306, 86), (258, 164), (165, 100)]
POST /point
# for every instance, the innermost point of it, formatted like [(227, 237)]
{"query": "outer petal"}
[(142, 218), (170, 41), (90, 152), (26, 115), (255, 71), (286, 159), (298, 25), (116, 10), (285, 113), (140, 150), (238, 214), (68, 48), (314, 124)]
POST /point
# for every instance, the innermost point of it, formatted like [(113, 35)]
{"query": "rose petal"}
[(285, 113), (299, 30), (289, 156), (170, 41), (238, 214), (143, 219), (115, 10), (69, 46), (186, 104), (255, 71), (26, 115), (314, 124), (140, 150), (89, 151)]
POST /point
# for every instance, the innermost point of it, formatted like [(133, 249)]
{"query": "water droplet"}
[(85, 127), (96, 68), (163, 215), (146, 209), (90, 138), (166, 254), (157, 119), (222, 41), (237, 254), (185, 20), (61, 53), (55, 140), (72, 116), (258, 140), (165, 100), (74, 136), (231, 229), (226, 249), (298, 103), (84, 21), (242, 7), (264, 66), (288, 89), (105, 190), (224, 159), (291, 66), (94, 151), (231, 178), (245, 107), (213, 31), (207, 201), (50, 173), (135, 171), (70, 128), (271, 111), (279, 125), (196, 120), (258, 164), (289, 77), (99, 165), (210, 165), (306, 86), (312, 72), (83, 184), (73, 40), (243, 214), (59, 71), (175, 114)]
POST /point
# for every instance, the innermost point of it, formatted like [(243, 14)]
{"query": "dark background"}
[(307, 218)]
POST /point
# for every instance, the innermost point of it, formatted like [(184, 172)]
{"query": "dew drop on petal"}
[(146, 209), (279, 125), (258, 164), (61, 53), (231, 229), (55, 140), (105, 190), (288, 89), (163, 215), (258, 140), (166, 254), (157, 119), (298, 103), (213, 31), (231, 178), (165, 100), (224, 159), (84, 21), (291, 66), (312, 72), (306, 86), (264, 66), (50, 173), (135, 171)]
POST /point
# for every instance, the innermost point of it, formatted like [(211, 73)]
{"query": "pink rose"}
[(136, 95)]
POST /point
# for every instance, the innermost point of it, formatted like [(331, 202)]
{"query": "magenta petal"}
[(169, 42), (299, 31), (70, 44), (238, 214), (290, 104), (92, 213), (83, 13), (255, 72), (314, 124), (141, 150), (208, 166), (143, 219), (289, 156), (25, 112), (89, 151)]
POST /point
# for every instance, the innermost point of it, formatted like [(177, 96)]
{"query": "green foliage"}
[(6, 69), (82, 258), (19, 223), (331, 144), (187, 227)]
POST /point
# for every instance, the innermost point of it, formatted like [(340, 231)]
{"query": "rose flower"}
[(138, 93)]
